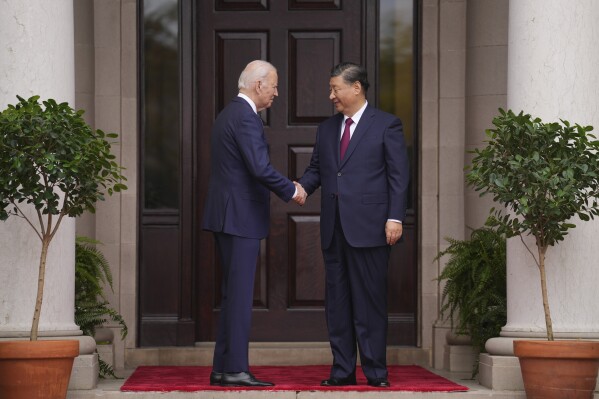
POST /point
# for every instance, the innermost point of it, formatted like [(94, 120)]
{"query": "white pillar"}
[(36, 58), (552, 74), (552, 61)]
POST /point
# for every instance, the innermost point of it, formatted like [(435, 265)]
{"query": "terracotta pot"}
[(36, 369), (558, 369)]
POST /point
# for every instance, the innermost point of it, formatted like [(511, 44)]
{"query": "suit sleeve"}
[(398, 169), (254, 150), (311, 178)]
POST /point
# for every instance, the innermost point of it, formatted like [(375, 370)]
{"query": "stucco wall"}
[(464, 75)]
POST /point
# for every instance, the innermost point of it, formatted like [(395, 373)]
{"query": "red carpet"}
[(286, 378)]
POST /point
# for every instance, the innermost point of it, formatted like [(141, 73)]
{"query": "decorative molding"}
[(315, 4), (237, 5)]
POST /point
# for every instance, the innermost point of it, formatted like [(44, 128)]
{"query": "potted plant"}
[(474, 294), (544, 174), (50, 159)]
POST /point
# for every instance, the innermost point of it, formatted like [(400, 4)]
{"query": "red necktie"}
[(345, 138)]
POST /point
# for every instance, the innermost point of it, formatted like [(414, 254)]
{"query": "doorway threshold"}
[(262, 354)]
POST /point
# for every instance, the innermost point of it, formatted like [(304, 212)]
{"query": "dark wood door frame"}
[(187, 320)]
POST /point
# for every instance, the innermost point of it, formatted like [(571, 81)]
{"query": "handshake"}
[(300, 197)]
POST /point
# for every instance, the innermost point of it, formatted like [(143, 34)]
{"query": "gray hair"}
[(256, 70)]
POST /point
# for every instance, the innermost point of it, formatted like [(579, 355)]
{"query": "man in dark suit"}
[(360, 162), (237, 211)]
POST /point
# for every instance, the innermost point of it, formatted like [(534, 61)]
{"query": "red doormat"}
[(286, 378)]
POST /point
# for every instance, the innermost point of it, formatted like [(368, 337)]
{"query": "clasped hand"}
[(300, 197)]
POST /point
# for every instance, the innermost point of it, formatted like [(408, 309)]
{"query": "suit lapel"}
[(363, 125)]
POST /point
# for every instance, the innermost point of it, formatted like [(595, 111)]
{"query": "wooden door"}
[(303, 39)]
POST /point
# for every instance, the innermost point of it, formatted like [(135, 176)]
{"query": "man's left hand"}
[(393, 231)]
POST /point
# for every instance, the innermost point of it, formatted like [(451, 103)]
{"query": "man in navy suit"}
[(237, 211), (360, 162)]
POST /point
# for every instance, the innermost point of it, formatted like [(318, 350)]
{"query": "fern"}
[(90, 315), (92, 309), (474, 296), (106, 369)]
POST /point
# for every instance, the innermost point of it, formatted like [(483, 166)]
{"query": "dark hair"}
[(351, 73)]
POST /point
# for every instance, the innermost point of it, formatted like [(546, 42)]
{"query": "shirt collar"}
[(249, 100), (356, 117)]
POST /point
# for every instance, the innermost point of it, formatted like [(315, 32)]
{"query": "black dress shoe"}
[(379, 383), (338, 382), (215, 378), (243, 379)]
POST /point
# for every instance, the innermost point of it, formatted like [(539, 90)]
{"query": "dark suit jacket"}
[(241, 177), (370, 184)]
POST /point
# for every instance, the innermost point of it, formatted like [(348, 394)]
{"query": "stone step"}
[(278, 354), (262, 354)]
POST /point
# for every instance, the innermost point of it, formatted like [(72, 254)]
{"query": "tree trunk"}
[(40, 288), (548, 323)]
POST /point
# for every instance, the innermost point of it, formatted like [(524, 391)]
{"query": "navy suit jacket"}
[(241, 177), (369, 186)]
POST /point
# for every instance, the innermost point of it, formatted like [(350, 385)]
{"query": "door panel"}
[(311, 55)]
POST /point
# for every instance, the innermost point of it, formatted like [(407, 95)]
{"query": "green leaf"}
[(544, 173), (583, 216), (46, 147)]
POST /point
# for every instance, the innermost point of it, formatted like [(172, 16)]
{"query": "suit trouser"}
[(238, 257), (356, 306)]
